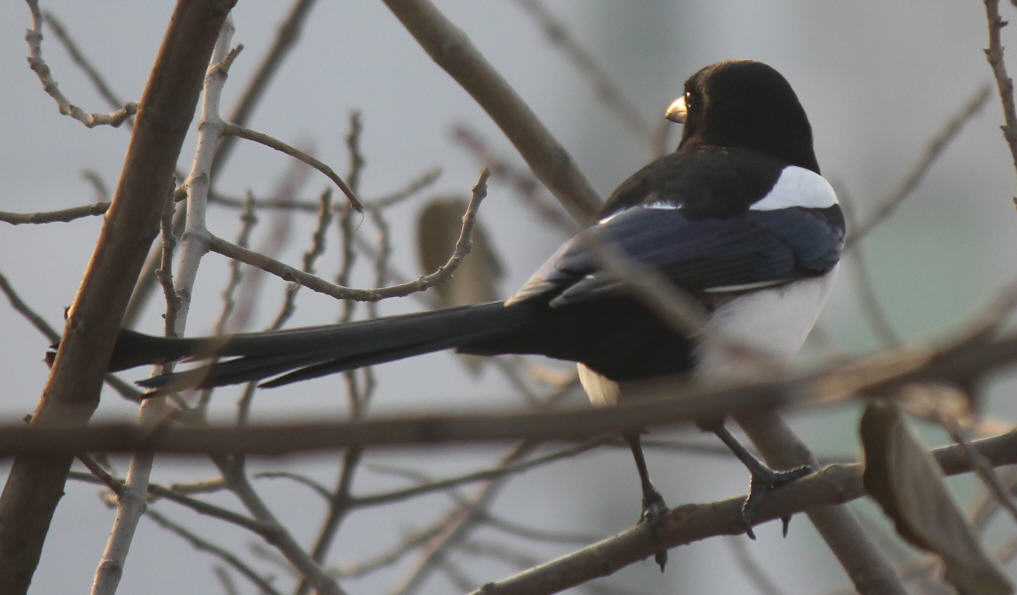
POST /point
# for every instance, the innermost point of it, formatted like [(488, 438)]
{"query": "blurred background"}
[(879, 81)]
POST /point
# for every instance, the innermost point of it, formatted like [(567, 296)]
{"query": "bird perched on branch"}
[(738, 218)]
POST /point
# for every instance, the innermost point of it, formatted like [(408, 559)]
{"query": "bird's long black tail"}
[(303, 353)]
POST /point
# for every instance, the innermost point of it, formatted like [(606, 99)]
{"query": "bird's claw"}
[(654, 510), (762, 483)]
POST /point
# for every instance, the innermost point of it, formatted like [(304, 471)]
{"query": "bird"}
[(738, 218)]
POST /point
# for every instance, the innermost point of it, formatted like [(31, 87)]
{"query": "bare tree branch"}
[(131, 502), (318, 284), (98, 81), (457, 525), (960, 361), (500, 470), (25, 310), (607, 90), (231, 129), (868, 569), (933, 150), (202, 544), (36, 62), (280, 538), (835, 484), (34, 485), (62, 215), (1004, 84), (452, 50), (286, 37)]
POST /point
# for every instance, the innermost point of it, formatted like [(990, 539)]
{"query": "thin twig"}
[(452, 50), (607, 90), (884, 374), (231, 129), (318, 284), (27, 312), (299, 478), (202, 544), (49, 85), (459, 522), (228, 586), (281, 538), (933, 150), (1004, 84), (131, 502), (99, 472), (53, 336), (982, 466), (873, 309), (310, 257), (201, 486), (248, 219), (34, 486), (61, 215), (358, 392), (93, 74), (526, 186), (414, 186), (455, 574), (501, 552), (756, 574), (542, 535), (198, 179), (500, 470), (407, 545), (286, 37), (98, 185), (164, 274)]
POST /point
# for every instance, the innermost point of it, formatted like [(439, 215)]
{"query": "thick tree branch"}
[(35, 484), (835, 484), (869, 571), (131, 502), (283, 439), (450, 47)]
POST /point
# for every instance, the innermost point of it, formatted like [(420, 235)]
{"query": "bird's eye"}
[(690, 100)]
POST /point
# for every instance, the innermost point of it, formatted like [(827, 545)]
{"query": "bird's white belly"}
[(771, 323)]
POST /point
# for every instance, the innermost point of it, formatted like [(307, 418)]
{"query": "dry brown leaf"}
[(476, 279), (908, 483)]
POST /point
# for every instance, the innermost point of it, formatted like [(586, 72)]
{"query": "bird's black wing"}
[(752, 249)]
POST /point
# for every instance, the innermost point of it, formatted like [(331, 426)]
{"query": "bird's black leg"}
[(654, 507), (764, 479)]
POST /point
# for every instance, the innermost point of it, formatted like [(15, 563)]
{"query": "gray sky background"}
[(878, 80)]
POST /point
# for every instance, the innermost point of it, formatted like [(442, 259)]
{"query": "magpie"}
[(739, 218)]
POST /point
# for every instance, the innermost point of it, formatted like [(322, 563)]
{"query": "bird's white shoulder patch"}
[(608, 218), (654, 204), (797, 187), (663, 205)]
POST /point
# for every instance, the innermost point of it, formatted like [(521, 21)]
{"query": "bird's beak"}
[(677, 111)]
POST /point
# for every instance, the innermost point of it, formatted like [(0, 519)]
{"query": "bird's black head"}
[(745, 104)]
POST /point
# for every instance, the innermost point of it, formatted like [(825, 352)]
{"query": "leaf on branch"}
[(908, 483), (476, 280)]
